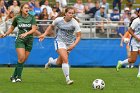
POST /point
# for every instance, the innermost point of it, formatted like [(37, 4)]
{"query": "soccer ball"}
[(98, 84), (1, 32), (126, 40)]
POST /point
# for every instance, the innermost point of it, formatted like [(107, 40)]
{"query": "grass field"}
[(39, 80)]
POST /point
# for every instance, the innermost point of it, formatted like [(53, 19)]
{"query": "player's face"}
[(25, 9), (70, 14)]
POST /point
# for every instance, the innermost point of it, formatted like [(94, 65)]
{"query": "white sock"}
[(139, 70), (65, 68), (125, 62), (53, 61)]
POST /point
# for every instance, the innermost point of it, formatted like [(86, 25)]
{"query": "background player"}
[(134, 30)]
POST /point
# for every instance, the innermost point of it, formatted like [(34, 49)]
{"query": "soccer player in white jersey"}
[(134, 43), (65, 40)]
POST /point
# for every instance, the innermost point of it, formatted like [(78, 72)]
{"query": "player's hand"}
[(23, 35), (121, 44), (3, 35), (71, 47), (41, 37)]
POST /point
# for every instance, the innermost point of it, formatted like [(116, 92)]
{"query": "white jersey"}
[(65, 30), (136, 27)]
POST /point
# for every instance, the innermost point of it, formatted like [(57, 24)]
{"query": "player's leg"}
[(132, 59), (21, 59), (138, 75), (51, 61), (65, 66), (57, 61), (20, 48), (128, 55)]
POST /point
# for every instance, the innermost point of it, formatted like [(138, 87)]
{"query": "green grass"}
[(39, 80)]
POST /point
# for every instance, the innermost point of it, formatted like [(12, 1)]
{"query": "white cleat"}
[(69, 82), (47, 65), (18, 80), (13, 80)]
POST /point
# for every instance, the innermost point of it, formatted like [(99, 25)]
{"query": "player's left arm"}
[(78, 37), (33, 29)]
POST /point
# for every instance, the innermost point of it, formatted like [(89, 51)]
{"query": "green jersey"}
[(24, 24)]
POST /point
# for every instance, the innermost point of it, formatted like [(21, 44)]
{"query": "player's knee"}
[(132, 60), (21, 59)]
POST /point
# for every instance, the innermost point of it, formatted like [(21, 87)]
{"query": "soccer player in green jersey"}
[(26, 24)]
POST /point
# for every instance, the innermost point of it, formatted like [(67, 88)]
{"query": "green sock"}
[(15, 72), (19, 69)]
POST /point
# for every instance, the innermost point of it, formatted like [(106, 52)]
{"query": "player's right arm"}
[(11, 29), (46, 33), (8, 32), (50, 28), (132, 29)]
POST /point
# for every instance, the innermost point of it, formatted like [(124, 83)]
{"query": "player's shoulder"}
[(31, 16), (75, 21), (18, 16), (59, 18), (137, 19)]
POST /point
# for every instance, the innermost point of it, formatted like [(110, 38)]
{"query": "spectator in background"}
[(129, 4), (53, 14), (2, 24), (15, 8), (43, 16), (3, 9), (117, 2), (115, 16), (6, 4), (121, 28), (10, 2), (101, 16), (41, 2), (79, 7), (31, 10), (62, 3), (9, 19), (46, 5), (88, 5), (57, 5), (126, 12), (37, 9), (106, 5), (32, 3), (127, 20), (93, 10)]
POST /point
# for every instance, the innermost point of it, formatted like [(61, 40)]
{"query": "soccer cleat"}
[(119, 65), (127, 66), (13, 80), (47, 65), (138, 76), (132, 66), (18, 80), (69, 82)]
